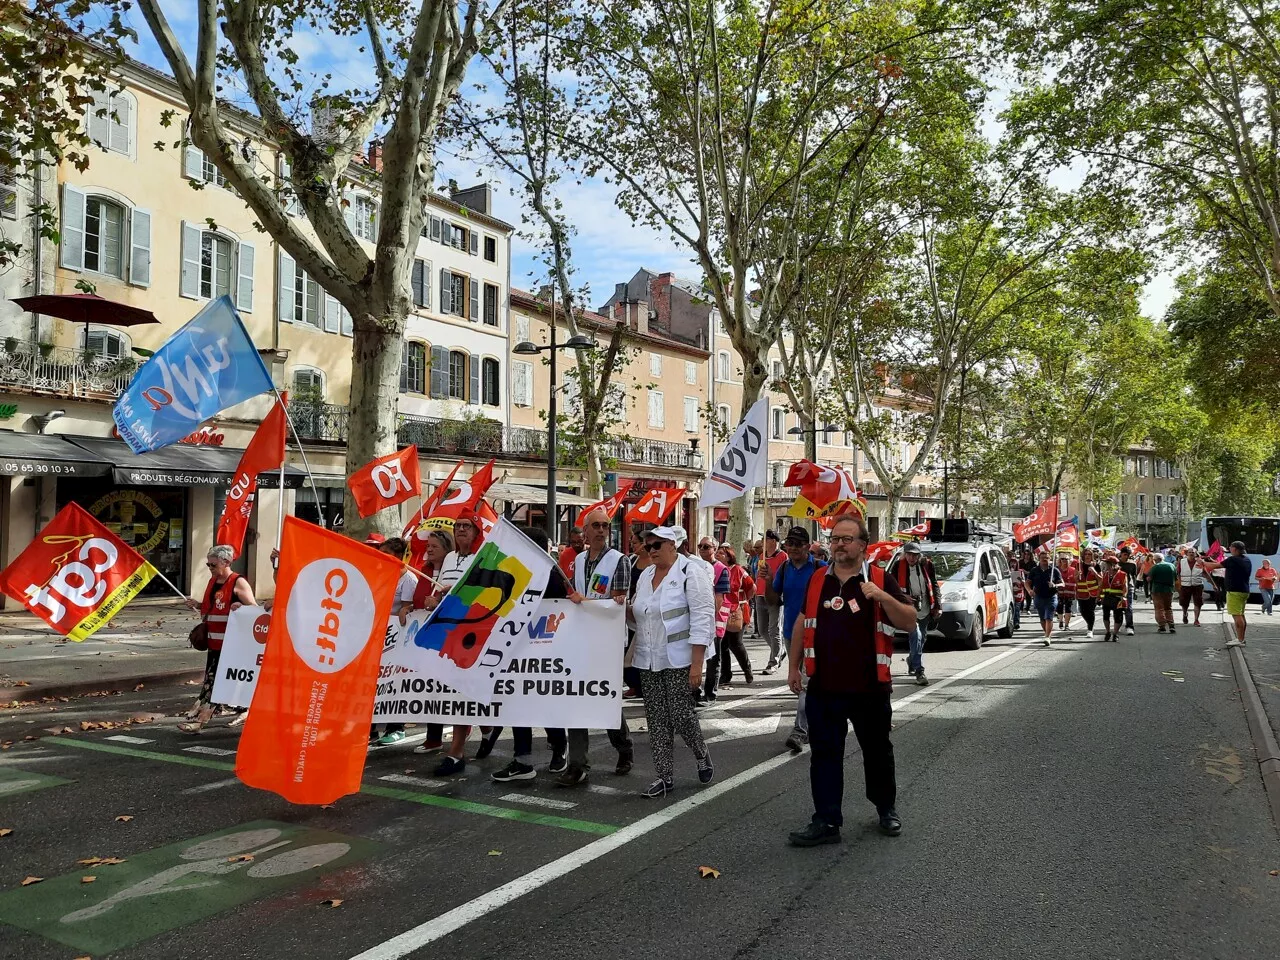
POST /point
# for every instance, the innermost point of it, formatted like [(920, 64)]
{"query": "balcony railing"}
[(328, 422), (63, 371)]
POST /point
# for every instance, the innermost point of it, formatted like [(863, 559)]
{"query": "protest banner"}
[(564, 670), (306, 736), (744, 461)]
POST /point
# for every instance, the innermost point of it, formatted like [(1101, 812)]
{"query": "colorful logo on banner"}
[(1041, 522), (744, 461), (386, 481), (207, 366), (824, 492), (656, 505), (76, 574), (306, 736)]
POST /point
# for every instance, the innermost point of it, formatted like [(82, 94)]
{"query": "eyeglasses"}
[(844, 540), (706, 546), (211, 565), (600, 524)]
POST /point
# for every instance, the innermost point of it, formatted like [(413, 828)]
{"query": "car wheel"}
[(1005, 632), (974, 640)]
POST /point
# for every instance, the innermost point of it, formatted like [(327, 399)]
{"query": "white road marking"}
[(735, 728), (412, 781), (209, 751), (538, 801), (414, 939), (123, 739), (603, 790), (216, 785)]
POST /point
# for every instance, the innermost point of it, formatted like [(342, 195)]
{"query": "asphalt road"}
[(1085, 800)]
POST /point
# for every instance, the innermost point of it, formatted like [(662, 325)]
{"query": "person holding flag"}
[(1116, 590), (1067, 593), (227, 590)]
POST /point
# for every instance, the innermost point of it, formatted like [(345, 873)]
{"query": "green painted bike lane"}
[(14, 781)]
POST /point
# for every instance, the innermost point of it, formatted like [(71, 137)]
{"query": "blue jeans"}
[(1046, 607), (915, 646), (1017, 614), (1268, 597)]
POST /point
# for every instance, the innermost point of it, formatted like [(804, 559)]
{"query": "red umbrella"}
[(86, 308)]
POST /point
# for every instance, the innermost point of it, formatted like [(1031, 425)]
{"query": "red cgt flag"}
[(656, 505), (76, 574), (1042, 521), (610, 505), (307, 734), (264, 454), (448, 502), (386, 481)]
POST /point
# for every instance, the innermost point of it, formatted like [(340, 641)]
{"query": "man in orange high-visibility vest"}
[(844, 643)]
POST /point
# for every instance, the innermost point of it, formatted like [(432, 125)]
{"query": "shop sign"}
[(204, 437), (130, 503)]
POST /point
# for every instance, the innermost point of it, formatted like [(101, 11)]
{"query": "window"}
[(413, 367), (104, 343), (779, 422), (450, 235), (104, 237), (109, 120), (690, 372), (490, 305), (522, 329), (777, 474), (420, 284), (491, 249), (1159, 503), (9, 179), (1142, 466), (454, 294), (522, 383), (657, 413), (722, 365), (215, 264), (777, 369), (301, 300), (655, 365), (457, 375), (1130, 467), (615, 406), (308, 385), (690, 414), (1124, 502), (722, 414), (1142, 504), (489, 373), (284, 186), (362, 217), (198, 167)]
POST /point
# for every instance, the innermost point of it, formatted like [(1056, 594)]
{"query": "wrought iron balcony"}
[(62, 371)]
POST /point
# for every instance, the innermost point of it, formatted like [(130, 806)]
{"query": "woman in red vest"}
[(226, 591)]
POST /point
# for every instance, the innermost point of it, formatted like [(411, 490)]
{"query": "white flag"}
[(743, 463)]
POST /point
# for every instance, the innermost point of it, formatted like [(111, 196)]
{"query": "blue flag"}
[(207, 366)]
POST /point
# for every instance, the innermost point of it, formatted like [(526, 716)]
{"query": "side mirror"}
[(989, 580)]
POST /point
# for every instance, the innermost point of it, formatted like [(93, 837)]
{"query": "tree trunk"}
[(753, 380), (895, 500), (371, 424)]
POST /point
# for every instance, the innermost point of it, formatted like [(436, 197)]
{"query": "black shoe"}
[(449, 766), (1171, 630), (795, 743), (515, 770), (921, 679), (889, 823), (659, 788), (487, 741), (625, 762), (815, 834), (572, 777), (1161, 630), (558, 763), (705, 770)]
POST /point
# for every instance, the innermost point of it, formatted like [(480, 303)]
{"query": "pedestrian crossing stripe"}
[(14, 781)]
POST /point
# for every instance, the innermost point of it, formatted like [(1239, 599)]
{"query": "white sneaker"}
[(1089, 635), (1048, 642), (1129, 632)]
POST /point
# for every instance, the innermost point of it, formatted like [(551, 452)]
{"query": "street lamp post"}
[(527, 348)]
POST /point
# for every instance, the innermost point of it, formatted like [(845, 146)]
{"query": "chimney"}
[(375, 155), (478, 198), (642, 317)]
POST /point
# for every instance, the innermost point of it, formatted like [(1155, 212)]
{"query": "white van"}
[(976, 588)]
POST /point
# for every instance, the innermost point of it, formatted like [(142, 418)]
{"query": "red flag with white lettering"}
[(656, 505), (610, 505), (386, 481), (264, 453), (1041, 522)]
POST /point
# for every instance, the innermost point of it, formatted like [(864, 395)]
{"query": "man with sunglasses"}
[(789, 585), (598, 573)]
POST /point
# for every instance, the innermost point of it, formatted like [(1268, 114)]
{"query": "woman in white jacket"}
[(674, 615)]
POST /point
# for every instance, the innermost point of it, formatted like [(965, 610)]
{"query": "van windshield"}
[(952, 566)]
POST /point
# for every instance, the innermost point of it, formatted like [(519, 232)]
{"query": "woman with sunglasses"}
[(674, 616), (226, 590)]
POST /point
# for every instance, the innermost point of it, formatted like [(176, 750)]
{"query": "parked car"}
[(976, 588)]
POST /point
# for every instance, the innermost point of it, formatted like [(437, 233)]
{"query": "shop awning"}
[(177, 465), (40, 455), (519, 493)]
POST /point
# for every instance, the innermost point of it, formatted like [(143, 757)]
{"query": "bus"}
[(1261, 536)]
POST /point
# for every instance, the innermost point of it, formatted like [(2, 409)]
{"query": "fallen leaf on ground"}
[(100, 861), (22, 683), (137, 688), (5, 831), (88, 879), (124, 818), (1272, 873), (30, 736), (85, 957), (495, 853), (242, 858), (6, 745), (193, 683), (326, 806), (711, 872), (331, 902), (30, 880)]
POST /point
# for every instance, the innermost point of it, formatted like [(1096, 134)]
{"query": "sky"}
[(607, 247)]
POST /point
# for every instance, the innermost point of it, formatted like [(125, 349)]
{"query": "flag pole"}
[(280, 497), (305, 463), (169, 583)]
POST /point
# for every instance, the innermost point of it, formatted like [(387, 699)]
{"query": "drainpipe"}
[(37, 260)]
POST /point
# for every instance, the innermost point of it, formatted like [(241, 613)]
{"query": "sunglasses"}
[(655, 545)]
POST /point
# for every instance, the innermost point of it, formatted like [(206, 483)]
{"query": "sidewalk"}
[(145, 643)]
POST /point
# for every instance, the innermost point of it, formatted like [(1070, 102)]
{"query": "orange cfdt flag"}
[(307, 733)]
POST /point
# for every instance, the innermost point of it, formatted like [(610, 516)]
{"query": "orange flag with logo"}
[(265, 452), (609, 505), (656, 505), (386, 481), (307, 734)]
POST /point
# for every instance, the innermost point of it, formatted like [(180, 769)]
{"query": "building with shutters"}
[(160, 229)]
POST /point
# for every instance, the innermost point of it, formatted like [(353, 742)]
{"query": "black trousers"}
[(733, 645), (1088, 610), (829, 717), (556, 739)]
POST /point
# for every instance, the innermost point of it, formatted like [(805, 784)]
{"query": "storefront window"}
[(152, 520), (329, 501)]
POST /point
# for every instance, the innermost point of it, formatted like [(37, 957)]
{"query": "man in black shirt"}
[(849, 681), (1237, 572), (1131, 571)]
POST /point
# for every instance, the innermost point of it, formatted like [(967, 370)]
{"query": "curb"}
[(1264, 737), (117, 685)]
